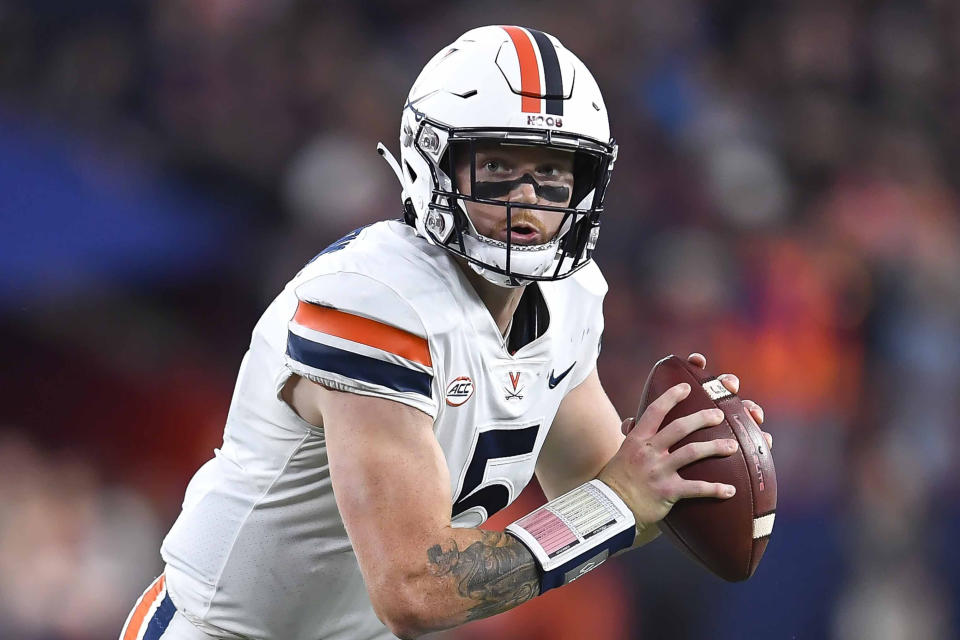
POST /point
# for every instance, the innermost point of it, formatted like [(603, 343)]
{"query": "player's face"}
[(521, 175)]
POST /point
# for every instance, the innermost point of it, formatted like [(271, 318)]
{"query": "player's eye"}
[(552, 172), (493, 166)]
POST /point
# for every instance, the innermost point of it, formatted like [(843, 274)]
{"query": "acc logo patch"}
[(459, 391)]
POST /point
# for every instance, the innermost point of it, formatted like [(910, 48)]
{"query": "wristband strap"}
[(575, 533)]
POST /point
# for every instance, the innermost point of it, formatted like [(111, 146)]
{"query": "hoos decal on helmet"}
[(506, 119)]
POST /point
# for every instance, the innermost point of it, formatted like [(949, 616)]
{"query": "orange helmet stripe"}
[(530, 89)]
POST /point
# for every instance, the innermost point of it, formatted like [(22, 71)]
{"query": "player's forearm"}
[(468, 575), (491, 573)]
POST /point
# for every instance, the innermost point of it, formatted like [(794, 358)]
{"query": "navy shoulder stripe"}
[(359, 367)]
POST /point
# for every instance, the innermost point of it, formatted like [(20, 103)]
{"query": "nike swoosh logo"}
[(554, 381)]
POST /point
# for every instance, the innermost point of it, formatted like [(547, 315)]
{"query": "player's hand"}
[(644, 471), (732, 383)]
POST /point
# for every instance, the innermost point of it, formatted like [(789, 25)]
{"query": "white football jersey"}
[(260, 550)]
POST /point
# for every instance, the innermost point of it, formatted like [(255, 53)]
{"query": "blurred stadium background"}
[(786, 201)]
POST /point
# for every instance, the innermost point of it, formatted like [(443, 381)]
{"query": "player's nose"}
[(525, 193)]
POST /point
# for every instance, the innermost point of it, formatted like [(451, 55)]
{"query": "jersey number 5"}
[(493, 444)]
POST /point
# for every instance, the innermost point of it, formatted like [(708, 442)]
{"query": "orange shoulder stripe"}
[(363, 330)]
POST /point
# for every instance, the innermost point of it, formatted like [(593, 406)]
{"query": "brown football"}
[(729, 536)]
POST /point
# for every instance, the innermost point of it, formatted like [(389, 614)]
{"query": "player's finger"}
[(697, 359), (699, 450), (682, 427), (769, 439), (702, 489), (627, 426), (656, 411), (755, 410), (730, 381)]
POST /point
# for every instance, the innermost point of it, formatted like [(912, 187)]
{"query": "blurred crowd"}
[(783, 202)]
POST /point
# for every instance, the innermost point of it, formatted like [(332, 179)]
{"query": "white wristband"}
[(576, 532)]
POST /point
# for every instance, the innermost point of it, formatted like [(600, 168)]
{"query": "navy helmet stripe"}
[(160, 620), (552, 77), (356, 366)]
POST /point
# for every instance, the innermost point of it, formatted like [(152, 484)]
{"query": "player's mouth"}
[(521, 234), (523, 231)]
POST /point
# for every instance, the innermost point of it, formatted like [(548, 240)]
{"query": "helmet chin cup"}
[(525, 260), (498, 279)]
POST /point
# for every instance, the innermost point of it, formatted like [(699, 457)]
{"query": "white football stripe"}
[(763, 526), (715, 389)]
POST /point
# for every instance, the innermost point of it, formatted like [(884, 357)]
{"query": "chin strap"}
[(386, 155)]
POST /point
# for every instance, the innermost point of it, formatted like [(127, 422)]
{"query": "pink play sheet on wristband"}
[(549, 530)]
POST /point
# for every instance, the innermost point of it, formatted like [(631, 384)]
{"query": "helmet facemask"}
[(506, 256)]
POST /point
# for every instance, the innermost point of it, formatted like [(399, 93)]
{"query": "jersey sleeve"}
[(353, 333)]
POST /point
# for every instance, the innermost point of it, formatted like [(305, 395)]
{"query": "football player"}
[(416, 374)]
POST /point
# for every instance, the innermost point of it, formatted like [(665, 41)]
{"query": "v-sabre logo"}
[(516, 393), (459, 391), (553, 381)]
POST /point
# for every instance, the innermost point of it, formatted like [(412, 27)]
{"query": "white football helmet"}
[(512, 86)]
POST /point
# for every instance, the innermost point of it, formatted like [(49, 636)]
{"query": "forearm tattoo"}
[(496, 571)]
